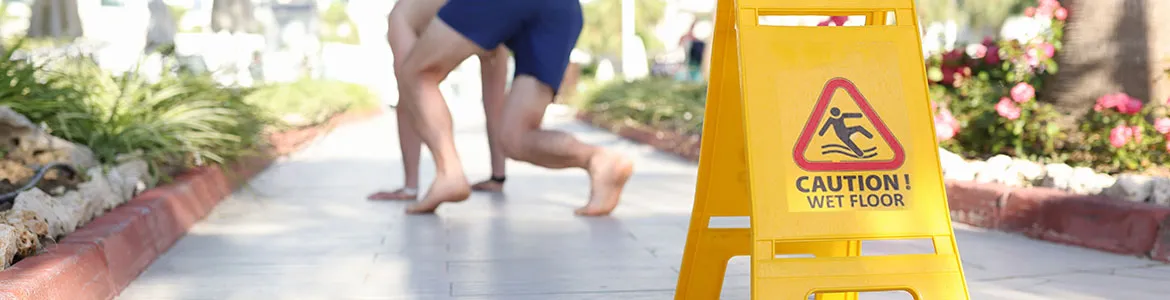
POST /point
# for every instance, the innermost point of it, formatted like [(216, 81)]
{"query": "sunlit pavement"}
[(303, 230)]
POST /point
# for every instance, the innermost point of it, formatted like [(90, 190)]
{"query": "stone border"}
[(1090, 221), (102, 257)]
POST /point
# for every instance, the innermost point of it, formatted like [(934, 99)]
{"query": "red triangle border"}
[(819, 112)]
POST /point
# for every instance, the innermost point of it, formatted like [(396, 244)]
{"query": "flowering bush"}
[(1118, 127), (985, 104), (985, 93)]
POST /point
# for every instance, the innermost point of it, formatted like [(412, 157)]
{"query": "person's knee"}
[(511, 134), (512, 144), (413, 75)]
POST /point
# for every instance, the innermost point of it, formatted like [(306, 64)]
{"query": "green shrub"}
[(661, 103), (177, 121), (309, 101), (172, 123)]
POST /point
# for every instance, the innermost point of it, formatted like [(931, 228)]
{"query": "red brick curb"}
[(1095, 222), (101, 258)]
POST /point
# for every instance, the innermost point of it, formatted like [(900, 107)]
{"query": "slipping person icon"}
[(845, 134)]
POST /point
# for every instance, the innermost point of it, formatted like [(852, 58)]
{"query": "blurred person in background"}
[(695, 44)]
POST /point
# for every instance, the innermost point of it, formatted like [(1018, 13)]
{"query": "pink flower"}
[(1119, 136), (1049, 4), (1162, 125), (1007, 109), (993, 56), (1048, 50), (839, 20), (1023, 92), (1061, 14), (1136, 133), (1119, 101), (1030, 12), (1132, 106), (1104, 102), (1033, 56), (943, 131), (1167, 146), (945, 125), (1047, 7), (977, 51), (944, 116)]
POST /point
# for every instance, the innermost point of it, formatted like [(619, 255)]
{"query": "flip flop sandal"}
[(402, 194)]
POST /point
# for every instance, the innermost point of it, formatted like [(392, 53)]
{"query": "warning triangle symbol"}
[(843, 153)]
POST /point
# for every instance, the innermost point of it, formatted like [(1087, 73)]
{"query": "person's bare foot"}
[(493, 184), (396, 195), (608, 173), (451, 189)]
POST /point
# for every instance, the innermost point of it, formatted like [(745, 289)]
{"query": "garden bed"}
[(81, 149), (101, 258)]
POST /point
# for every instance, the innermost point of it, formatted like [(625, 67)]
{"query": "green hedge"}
[(175, 122), (658, 102)]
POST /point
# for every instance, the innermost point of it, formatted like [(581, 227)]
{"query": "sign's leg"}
[(721, 189), (705, 261)]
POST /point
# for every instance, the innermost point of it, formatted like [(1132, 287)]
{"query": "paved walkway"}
[(303, 230)]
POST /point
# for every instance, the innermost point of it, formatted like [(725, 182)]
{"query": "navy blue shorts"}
[(540, 33)]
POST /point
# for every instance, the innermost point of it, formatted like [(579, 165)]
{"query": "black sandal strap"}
[(498, 179)]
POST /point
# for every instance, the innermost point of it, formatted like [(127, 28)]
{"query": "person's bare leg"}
[(406, 20), (524, 140), (438, 51), (493, 67)]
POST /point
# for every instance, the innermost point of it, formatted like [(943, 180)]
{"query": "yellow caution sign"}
[(823, 136)]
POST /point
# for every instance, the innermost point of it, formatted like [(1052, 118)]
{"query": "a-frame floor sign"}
[(824, 137)]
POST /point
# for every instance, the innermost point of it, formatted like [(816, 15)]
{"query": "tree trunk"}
[(234, 16), (1111, 46), (55, 19)]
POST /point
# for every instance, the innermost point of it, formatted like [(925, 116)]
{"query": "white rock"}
[(62, 217), (1160, 191), (9, 244), (31, 145), (974, 166), (78, 210), (994, 170), (135, 177), (1085, 181), (99, 190), (29, 227), (1029, 171), (954, 167), (1057, 176), (1021, 173), (1131, 187)]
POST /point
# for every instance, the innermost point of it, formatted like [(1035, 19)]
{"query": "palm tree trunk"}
[(1111, 46), (234, 16)]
